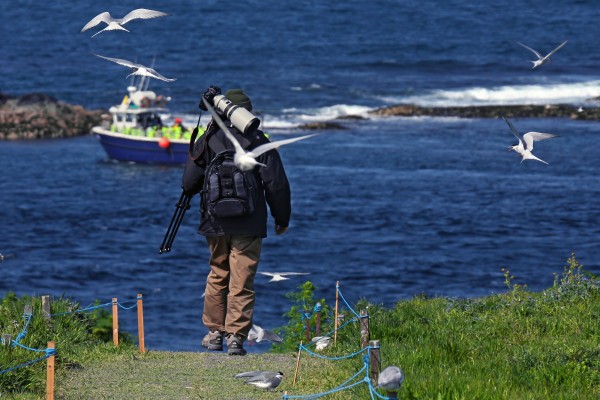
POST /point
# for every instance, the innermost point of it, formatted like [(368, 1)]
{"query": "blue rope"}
[(23, 365), (128, 308), (333, 358), (82, 310), (334, 390), (335, 330), (16, 343), (24, 331), (49, 353), (121, 305), (374, 391), (348, 305)]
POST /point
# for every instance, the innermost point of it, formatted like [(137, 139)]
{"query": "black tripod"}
[(180, 208)]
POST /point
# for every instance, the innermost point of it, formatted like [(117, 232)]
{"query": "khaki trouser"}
[(229, 295)]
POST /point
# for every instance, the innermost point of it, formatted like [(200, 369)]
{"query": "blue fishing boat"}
[(137, 132)]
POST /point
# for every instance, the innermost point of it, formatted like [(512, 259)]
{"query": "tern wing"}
[(531, 137), (532, 50), (268, 273), (102, 17), (248, 374), (263, 148), (557, 49), (262, 376), (512, 129), (265, 334), (142, 13), (292, 273), (156, 75), (121, 62), (219, 121)]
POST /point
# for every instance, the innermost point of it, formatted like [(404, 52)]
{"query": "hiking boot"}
[(235, 345), (213, 341)]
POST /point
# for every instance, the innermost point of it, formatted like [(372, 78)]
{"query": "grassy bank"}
[(515, 345)]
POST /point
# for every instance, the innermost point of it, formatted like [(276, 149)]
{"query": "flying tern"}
[(6, 256), (542, 59), (258, 334), (246, 160), (525, 145), (281, 276), (113, 24), (138, 69), (390, 378)]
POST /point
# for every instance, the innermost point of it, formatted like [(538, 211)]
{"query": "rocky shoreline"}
[(496, 111), (39, 116)]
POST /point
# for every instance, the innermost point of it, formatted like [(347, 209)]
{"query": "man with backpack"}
[(234, 222)]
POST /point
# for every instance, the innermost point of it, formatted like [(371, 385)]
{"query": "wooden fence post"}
[(140, 310), (46, 307), (115, 316), (307, 316), (364, 329), (318, 320), (374, 360), (297, 364), (337, 293), (50, 374)]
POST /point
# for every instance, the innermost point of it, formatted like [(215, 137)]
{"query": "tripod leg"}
[(175, 216), (184, 206)]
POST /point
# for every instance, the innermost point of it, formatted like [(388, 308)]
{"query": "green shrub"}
[(74, 334)]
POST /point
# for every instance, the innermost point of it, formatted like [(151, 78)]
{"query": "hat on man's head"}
[(239, 98)]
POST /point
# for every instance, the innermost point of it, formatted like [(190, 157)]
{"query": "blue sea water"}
[(390, 207)]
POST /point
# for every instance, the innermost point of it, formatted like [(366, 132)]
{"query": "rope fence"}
[(370, 349), (50, 351)]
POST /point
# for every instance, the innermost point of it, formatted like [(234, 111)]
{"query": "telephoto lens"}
[(242, 119)]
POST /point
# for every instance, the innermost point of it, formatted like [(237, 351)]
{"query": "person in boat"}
[(234, 243), (178, 129)]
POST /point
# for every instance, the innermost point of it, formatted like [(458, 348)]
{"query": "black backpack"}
[(228, 191)]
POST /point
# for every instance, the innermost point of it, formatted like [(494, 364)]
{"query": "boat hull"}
[(140, 149)]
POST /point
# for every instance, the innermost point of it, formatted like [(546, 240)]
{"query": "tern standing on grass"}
[(234, 242)]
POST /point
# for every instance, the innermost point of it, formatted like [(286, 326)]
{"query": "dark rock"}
[(510, 111), (39, 116), (321, 125), (4, 98), (35, 98)]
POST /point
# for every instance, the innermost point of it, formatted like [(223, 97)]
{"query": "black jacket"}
[(274, 188)]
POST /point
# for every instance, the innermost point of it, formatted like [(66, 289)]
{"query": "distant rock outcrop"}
[(511, 111), (39, 116)]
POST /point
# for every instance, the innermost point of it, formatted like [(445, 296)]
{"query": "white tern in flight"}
[(281, 276), (259, 334), (113, 24), (542, 59), (246, 160), (138, 69), (525, 145)]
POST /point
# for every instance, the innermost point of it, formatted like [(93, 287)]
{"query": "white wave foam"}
[(325, 113), (570, 93)]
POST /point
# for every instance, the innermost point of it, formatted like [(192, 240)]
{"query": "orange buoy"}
[(164, 143)]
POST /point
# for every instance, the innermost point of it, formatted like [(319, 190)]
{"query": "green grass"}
[(515, 345)]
